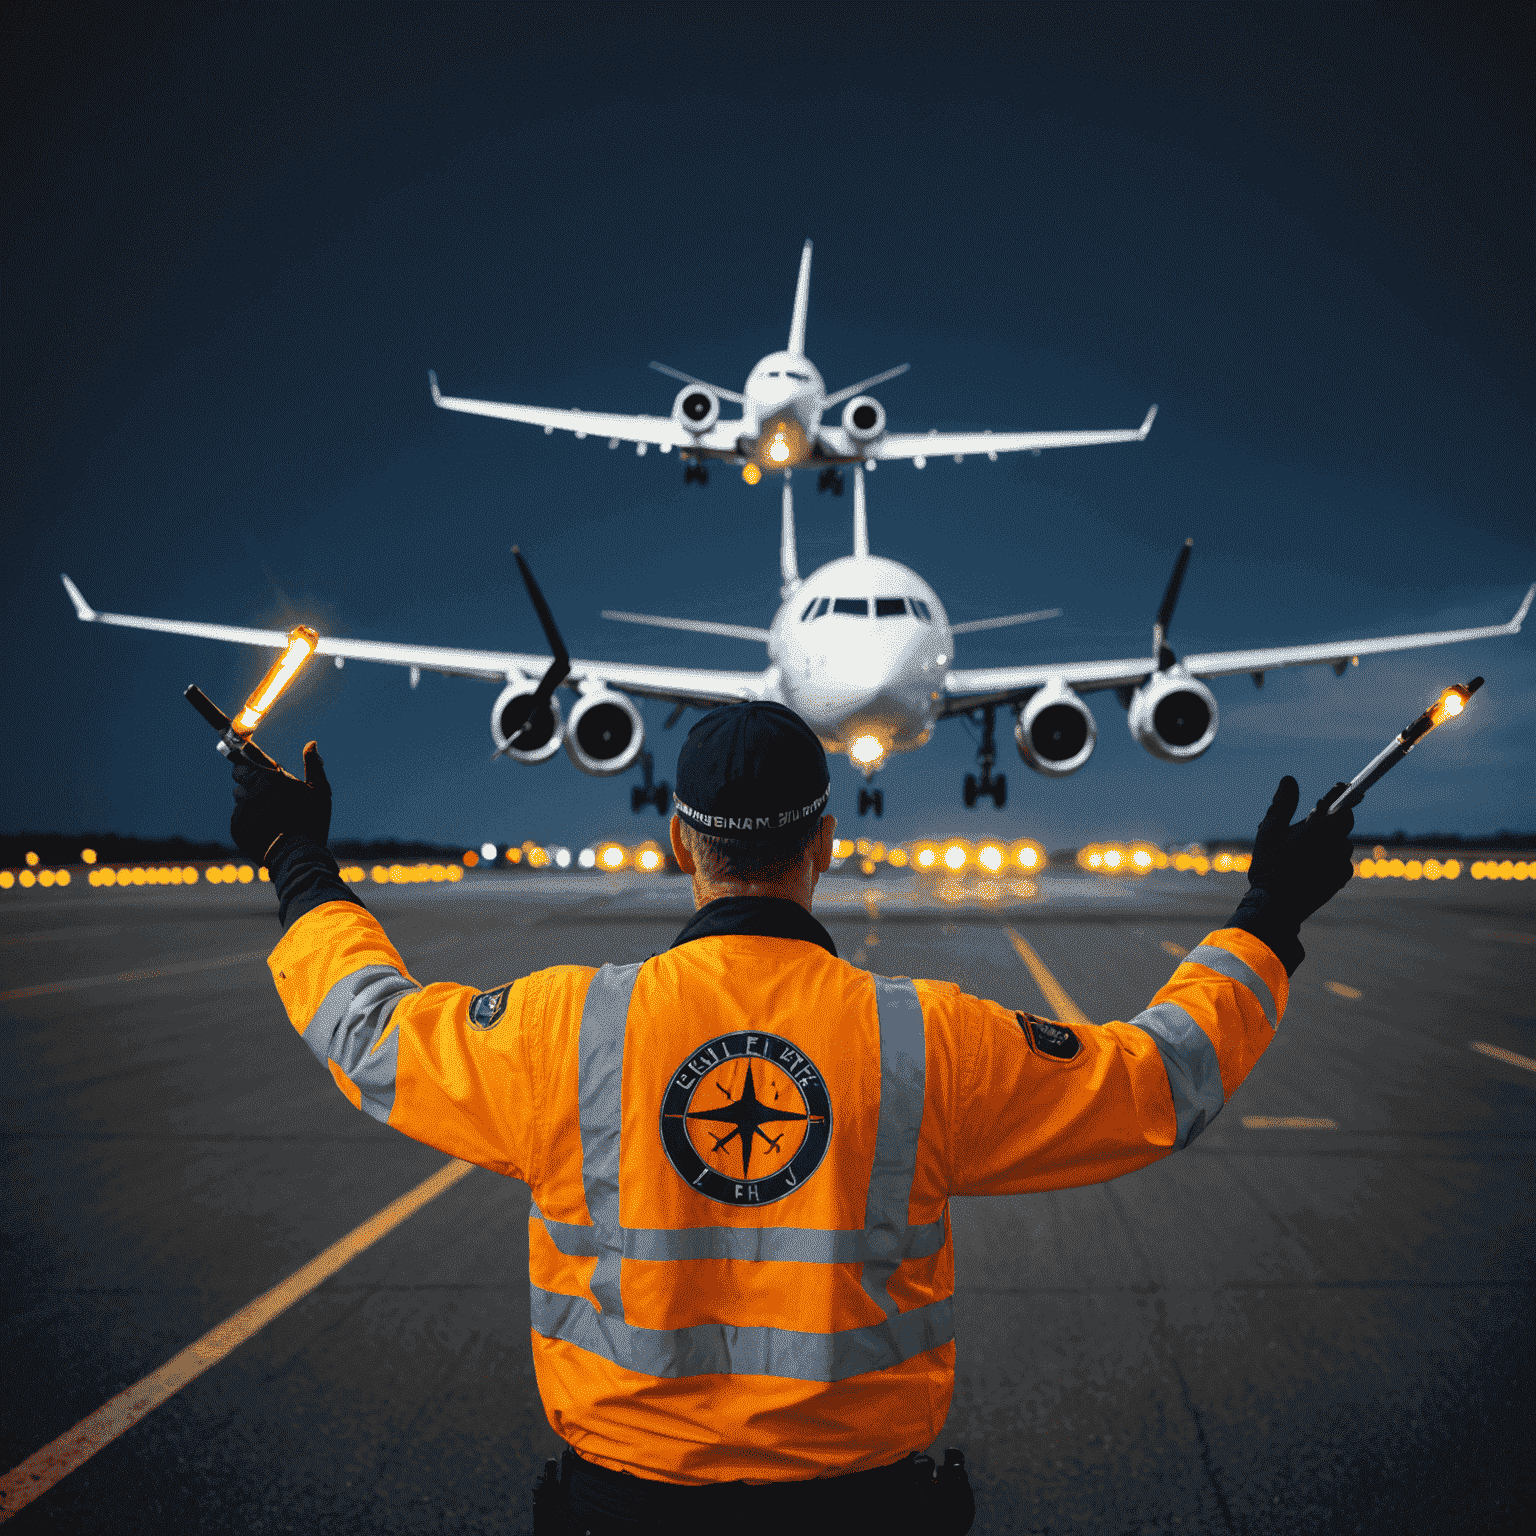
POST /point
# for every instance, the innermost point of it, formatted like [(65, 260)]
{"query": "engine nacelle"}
[(1173, 716), (696, 409), (605, 733), (542, 738), (1055, 732), (864, 419)]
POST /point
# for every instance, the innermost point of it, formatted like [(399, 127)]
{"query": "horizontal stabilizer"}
[(698, 626), (688, 378), (850, 390), (971, 626)]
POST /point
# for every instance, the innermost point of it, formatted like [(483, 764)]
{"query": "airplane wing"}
[(971, 688), (931, 445), (661, 430), (677, 685)]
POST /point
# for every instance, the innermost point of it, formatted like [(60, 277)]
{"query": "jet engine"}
[(1055, 732), (1173, 716), (605, 733), (696, 409), (542, 738), (864, 419)]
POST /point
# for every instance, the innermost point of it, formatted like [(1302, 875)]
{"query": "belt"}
[(907, 1495)]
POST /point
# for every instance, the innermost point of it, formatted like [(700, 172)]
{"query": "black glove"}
[(268, 805), (1295, 870)]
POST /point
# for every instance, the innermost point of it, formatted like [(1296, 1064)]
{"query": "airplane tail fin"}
[(802, 303), (789, 562)]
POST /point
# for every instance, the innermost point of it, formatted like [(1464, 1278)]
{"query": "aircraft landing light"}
[(867, 750)]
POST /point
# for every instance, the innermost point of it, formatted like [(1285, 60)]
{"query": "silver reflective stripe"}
[(600, 1098), (717, 1349), (764, 1245), (347, 1027), (1225, 963), (903, 1075), (1189, 1059)]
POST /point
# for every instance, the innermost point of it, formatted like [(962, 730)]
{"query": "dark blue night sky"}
[(239, 235)]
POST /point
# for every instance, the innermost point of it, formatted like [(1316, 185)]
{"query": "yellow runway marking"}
[(40, 1471), (1500, 1054), (177, 968), (1287, 1123), (1176, 950), (1340, 990), (1055, 994)]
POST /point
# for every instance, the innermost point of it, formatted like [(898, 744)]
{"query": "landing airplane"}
[(862, 651), (780, 427)]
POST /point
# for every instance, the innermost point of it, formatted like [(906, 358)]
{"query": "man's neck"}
[(799, 889)]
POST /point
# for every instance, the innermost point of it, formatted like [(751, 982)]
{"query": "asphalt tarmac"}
[(1283, 1329)]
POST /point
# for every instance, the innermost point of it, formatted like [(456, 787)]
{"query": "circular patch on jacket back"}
[(746, 1119)]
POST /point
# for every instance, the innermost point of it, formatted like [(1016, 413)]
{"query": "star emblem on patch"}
[(746, 1119)]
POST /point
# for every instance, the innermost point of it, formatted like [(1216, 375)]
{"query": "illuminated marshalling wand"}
[(1450, 704), (235, 736)]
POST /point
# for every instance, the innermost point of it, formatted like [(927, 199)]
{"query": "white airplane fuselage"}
[(781, 410), (859, 652)]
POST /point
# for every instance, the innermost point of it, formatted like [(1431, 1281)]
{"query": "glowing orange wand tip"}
[(302, 644)]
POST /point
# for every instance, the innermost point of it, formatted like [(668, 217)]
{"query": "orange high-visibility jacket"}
[(741, 1153)]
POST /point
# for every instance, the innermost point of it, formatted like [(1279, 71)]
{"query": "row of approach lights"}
[(952, 858)]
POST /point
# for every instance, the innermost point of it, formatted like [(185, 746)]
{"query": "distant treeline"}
[(1513, 841)]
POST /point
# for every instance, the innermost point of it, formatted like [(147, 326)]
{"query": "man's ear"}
[(826, 836), (680, 848)]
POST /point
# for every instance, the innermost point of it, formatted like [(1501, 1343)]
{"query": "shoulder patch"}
[(486, 1008), (1049, 1039)]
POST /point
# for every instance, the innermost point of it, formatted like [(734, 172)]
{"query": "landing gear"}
[(872, 800), (649, 793), (986, 786), (830, 480), (695, 473)]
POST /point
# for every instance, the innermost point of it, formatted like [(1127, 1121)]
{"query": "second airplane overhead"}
[(780, 427)]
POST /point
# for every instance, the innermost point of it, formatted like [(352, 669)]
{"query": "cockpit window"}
[(890, 608), (826, 603), (804, 378), (810, 605), (858, 605), (920, 608)]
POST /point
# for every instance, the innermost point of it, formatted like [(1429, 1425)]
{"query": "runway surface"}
[(1282, 1330)]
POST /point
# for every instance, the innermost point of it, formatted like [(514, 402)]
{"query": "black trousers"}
[(590, 1500)]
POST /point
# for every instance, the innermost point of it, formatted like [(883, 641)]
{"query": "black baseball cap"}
[(751, 771)]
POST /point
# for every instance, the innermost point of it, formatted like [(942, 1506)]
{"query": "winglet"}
[(1146, 426), (86, 614), (437, 394), (1514, 623)]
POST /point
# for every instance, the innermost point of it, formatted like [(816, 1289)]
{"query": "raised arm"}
[(1044, 1105), (445, 1064)]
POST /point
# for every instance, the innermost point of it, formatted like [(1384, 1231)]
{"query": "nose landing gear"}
[(872, 800), (695, 473), (830, 480), (649, 793), (986, 786)]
